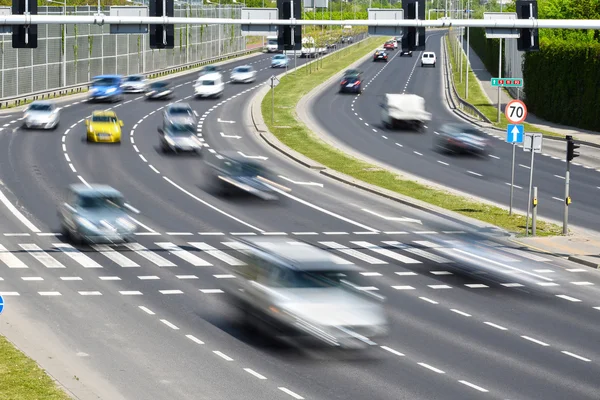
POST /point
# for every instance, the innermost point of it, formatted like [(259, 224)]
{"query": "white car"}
[(134, 84), (395, 43), (243, 74), (41, 115), (209, 85), (428, 58)]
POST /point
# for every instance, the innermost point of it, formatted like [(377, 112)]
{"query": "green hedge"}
[(486, 49), (562, 82)]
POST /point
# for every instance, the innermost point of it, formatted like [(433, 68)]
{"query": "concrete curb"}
[(585, 260)]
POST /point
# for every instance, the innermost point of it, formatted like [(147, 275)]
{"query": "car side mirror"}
[(87, 122), (120, 123), (161, 131)]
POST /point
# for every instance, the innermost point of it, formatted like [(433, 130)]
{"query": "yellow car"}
[(104, 127)]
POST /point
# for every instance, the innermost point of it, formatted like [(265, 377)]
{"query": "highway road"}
[(470, 316), (356, 121)]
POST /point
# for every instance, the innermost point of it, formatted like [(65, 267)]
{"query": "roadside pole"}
[(534, 212), (499, 76), (468, 52), (512, 178), (515, 112), (274, 82), (571, 154), (533, 144)]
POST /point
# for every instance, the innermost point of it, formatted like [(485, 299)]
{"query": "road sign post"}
[(514, 135), (533, 144), (274, 82)]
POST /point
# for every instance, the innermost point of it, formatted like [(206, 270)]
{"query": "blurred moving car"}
[(299, 289), (280, 61), (405, 52), (209, 85), (209, 69), (106, 87), (103, 126), (159, 91), (243, 74), (353, 73), (179, 138), (380, 55), (389, 45), (428, 58), (404, 110), (462, 138), (395, 42), (96, 214), (347, 39), (232, 173), (179, 114), (350, 84), (134, 84), (272, 45), (41, 115)]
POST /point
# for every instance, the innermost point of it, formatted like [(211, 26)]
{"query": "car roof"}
[(95, 189), (104, 113), (42, 102), (297, 255), (211, 76)]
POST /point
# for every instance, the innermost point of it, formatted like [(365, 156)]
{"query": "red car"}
[(389, 46)]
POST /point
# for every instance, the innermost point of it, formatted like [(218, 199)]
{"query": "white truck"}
[(309, 48), (404, 110), (271, 44)]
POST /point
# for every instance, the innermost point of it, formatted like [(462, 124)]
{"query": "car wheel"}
[(421, 65)]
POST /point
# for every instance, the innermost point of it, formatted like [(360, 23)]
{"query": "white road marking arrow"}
[(301, 183), (399, 219), (230, 136), (225, 122), (253, 157)]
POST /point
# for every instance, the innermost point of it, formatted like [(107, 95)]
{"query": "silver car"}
[(179, 114), (296, 288), (96, 214), (41, 115), (179, 138), (461, 138), (134, 84)]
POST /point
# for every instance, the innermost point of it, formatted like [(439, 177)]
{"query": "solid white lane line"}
[(115, 256), (222, 355), (10, 259), (256, 374), (429, 367), (183, 254), (41, 255), (535, 341), (170, 325), (149, 255), (474, 386), (496, 326), (76, 255), (18, 213), (388, 349), (576, 356), (572, 299), (194, 339)]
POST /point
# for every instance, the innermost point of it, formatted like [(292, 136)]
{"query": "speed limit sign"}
[(515, 111)]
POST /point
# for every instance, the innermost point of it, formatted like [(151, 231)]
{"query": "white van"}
[(209, 85), (272, 44), (404, 111), (428, 58)]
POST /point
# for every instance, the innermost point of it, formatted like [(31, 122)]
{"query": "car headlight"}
[(111, 90), (125, 223), (170, 141), (85, 223)]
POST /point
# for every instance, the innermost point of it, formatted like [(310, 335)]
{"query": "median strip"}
[(298, 137)]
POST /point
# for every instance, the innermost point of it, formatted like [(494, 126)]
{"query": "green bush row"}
[(486, 49)]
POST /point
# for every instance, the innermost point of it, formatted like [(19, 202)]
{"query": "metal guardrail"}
[(463, 105), (16, 101)]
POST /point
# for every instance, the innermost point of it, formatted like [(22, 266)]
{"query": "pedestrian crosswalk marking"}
[(183, 254), (149, 255), (10, 259), (76, 255), (353, 253), (40, 255), (115, 256)]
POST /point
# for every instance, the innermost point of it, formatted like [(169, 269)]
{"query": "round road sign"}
[(515, 111)]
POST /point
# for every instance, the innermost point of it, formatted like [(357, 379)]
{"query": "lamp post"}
[(63, 52)]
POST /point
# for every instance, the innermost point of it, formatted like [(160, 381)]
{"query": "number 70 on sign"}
[(515, 111)]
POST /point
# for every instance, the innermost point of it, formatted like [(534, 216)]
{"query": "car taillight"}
[(356, 83), (343, 83)]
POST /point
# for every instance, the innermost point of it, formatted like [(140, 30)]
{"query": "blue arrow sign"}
[(1, 304), (514, 133)]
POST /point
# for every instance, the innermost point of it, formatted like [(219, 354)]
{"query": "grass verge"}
[(22, 379), (478, 98), (297, 136)]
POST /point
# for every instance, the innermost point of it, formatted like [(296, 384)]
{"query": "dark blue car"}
[(350, 84), (106, 88)]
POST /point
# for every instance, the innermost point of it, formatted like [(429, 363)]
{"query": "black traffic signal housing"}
[(413, 38), (571, 147), (284, 33), (529, 40), (158, 39), (24, 36)]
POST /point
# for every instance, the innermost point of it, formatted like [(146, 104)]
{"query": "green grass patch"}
[(478, 98), (22, 379), (297, 136)]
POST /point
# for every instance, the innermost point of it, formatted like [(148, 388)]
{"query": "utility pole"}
[(571, 154)]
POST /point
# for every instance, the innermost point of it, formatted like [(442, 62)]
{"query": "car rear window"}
[(208, 83), (242, 69), (105, 82), (104, 118), (99, 201), (40, 107), (180, 111)]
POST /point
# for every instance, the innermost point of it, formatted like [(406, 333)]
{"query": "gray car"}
[(41, 115), (461, 138), (179, 138), (179, 114), (96, 214)]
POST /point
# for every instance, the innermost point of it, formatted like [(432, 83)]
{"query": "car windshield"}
[(158, 85), (96, 201), (280, 57), (242, 69), (105, 82), (303, 280), (133, 79), (104, 118), (181, 130), (207, 83), (272, 41), (244, 169), (180, 111), (209, 68), (40, 107), (350, 79)]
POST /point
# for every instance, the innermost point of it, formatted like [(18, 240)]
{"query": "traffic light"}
[(529, 39), (571, 147), (284, 33), (414, 38), (162, 36), (24, 36)]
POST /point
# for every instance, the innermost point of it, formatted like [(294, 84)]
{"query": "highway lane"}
[(358, 125)]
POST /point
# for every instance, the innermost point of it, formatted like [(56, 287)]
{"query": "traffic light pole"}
[(567, 200)]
